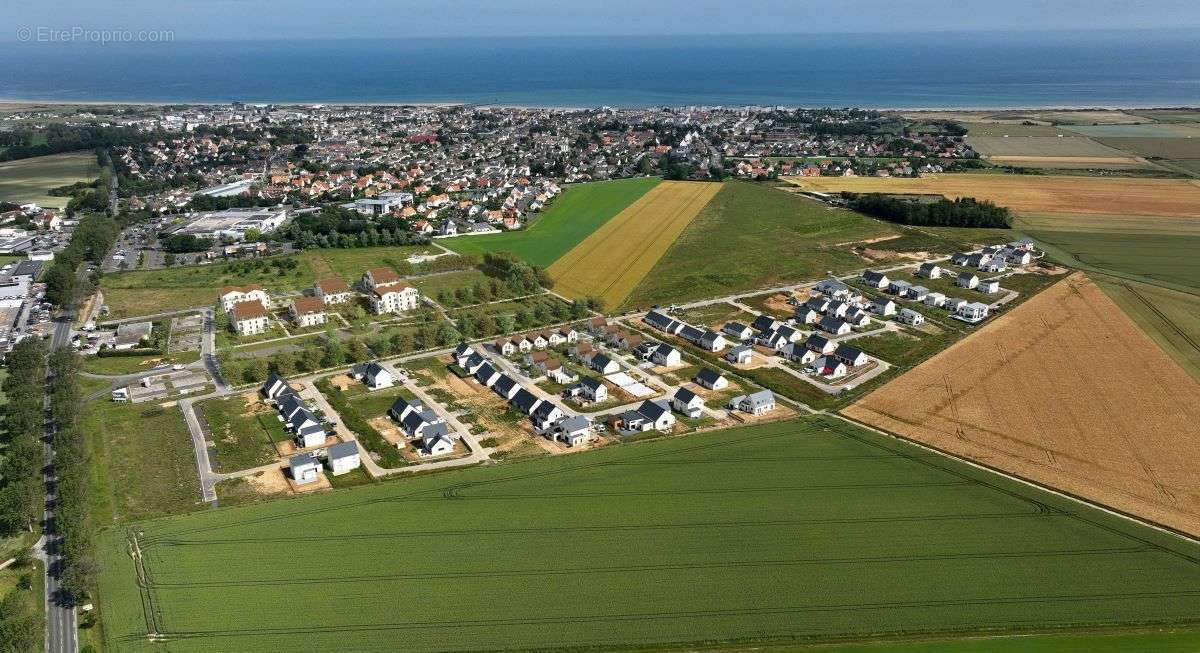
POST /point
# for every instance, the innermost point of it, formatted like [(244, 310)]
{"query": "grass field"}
[(752, 236), (1146, 130), (142, 292), (611, 262), (242, 438), (990, 130), (1076, 146), (573, 216), (1167, 260), (142, 462), (1163, 147), (789, 532), (1038, 194), (1106, 223), (1171, 318), (1068, 391), (27, 180)]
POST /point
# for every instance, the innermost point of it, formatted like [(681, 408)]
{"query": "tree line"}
[(961, 212), (59, 138), (70, 467), (21, 460), (91, 241)]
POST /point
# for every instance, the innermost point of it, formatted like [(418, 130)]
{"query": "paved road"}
[(61, 626)]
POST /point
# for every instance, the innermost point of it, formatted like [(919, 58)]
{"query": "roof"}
[(485, 371), (383, 276), (708, 375), (600, 360), (525, 400), (575, 423), (333, 285), (847, 352), (504, 383), (343, 450), (652, 410), (685, 395), (248, 310), (545, 409), (761, 397), (735, 326), (739, 349), (591, 383), (242, 289), (307, 305), (871, 275), (301, 460), (764, 322)]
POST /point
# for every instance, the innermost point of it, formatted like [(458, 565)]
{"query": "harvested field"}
[(611, 262), (1146, 130), (1067, 391), (1041, 146), (1037, 194)]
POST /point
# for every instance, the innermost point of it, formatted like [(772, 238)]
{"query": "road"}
[(61, 626)]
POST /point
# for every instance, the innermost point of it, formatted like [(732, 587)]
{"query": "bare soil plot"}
[(1067, 391), (611, 262), (1037, 194)]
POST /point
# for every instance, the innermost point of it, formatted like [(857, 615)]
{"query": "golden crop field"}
[(1066, 391), (611, 262), (1037, 194)]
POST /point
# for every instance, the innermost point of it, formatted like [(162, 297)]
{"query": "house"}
[(506, 387), (818, 304), (929, 271), (764, 323), (506, 347), (806, 315), (379, 278), (249, 318), (591, 389), (833, 288), (973, 311), (231, 295), (997, 264), (742, 355), (568, 335), (873, 279), (604, 365), (712, 341), (820, 344), (304, 468), (436, 442), (883, 306), (835, 326), (1019, 256), (546, 415), (523, 344), (836, 308), (966, 280), (666, 356), (711, 379), (657, 413), (461, 353), (953, 304), (306, 429), (935, 299), (525, 401), (799, 353), (394, 298), (539, 341), (332, 291), (553, 338), (910, 317), (989, 287), (574, 431), (473, 363), (486, 375), (917, 293), (756, 404), (596, 325), (898, 287), (307, 311), (342, 458), (960, 258), (557, 372), (830, 367), (413, 416), (851, 356), (663, 322), (274, 387), (373, 375), (687, 402), (858, 318), (737, 330)]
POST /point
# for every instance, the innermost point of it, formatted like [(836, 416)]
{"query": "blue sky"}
[(254, 19)]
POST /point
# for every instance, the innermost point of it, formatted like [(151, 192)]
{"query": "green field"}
[(1171, 318), (791, 532), (142, 462), (241, 439), (27, 180), (990, 129), (1159, 259), (142, 292), (751, 236), (574, 215)]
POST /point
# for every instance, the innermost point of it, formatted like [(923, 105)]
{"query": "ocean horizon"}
[(885, 71)]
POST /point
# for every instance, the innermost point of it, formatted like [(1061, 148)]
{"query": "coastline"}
[(8, 102)]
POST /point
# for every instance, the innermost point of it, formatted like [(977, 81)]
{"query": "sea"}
[(917, 70)]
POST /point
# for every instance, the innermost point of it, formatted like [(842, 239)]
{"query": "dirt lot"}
[(1067, 391), (1035, 194)]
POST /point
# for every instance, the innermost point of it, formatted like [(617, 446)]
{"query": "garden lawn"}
[(785, 533), (571, 217)]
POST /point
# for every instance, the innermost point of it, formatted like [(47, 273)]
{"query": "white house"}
[(687, 402), (343, 458), (435, 443), (742, 355), (830, 366), (883, 306), (249, 318), (973, 311), (574, 431), (910, 317), (935, 299), (835, 326), (929, 271), (605, 365), (737, 330), (307, 311), (231, 295), (990, 287), (967, 280), (711, 379), (592, 389), (666, 356), (874, 279), (851, 356), (756, 404), (305, 468), (657, 413), (332, 291), (373, 375), (395, 298)]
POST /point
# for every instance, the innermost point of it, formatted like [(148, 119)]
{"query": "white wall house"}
[(231, 295), (249, 318)]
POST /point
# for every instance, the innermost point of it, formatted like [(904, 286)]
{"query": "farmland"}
[(750, 236), (611, 262), (790, 532), (1041, 146), (1162, 259), (1065, 390), (569, 220), (1037, 194), (27, 180), (1171, 318)]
